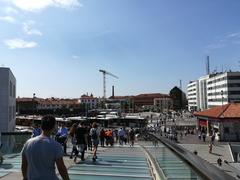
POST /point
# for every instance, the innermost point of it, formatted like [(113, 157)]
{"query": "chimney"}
[(113, 92)]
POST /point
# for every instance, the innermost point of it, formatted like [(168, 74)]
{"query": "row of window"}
[(193, 94), (193, 85), (217, 80), (192, 90), (217, 87), (217, 93), (233, 77), (218, 100)]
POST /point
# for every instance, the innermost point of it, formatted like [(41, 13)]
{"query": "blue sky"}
[(56, 47)]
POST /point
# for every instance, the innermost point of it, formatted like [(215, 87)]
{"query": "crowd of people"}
[(48, 145)]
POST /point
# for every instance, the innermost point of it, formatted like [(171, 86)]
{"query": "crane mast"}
[(104, 80)]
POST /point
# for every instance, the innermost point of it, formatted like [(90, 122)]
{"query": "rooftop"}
[(231, 110)]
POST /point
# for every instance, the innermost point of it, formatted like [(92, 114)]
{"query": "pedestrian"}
[(121, 135), (213, 138), (36, 130), (94, 136), (204, 137), (219, 162), (61, 136), (89, 139), (131, 137), (72, 135), (41, 153), (81, 136), (102, 137)]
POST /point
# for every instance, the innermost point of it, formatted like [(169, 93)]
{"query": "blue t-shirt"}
[(41, 153)]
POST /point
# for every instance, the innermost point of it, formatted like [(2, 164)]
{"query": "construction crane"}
[(104, 81)]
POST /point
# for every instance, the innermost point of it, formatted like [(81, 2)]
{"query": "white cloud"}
[(75, 57), (215, 46), (19, 44), (36, 5), (11, 10), (27, 28), (233, 35), (8, 19)]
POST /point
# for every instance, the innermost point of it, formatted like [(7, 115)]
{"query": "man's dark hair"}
[(48, 123)]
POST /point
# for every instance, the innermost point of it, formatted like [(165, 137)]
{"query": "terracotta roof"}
[(231, 110), (155, 95)]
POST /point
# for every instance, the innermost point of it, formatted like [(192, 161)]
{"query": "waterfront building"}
[(223, 88), (7, 100), (223, 120), (145, 102), (193, 95), (90, 101), (215, 89)]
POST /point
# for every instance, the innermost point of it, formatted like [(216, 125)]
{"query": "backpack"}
[(94, 134)]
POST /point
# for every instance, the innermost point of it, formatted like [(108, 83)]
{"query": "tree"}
[(179, 98)]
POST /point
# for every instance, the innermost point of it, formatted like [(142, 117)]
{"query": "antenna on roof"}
[(207, 66)]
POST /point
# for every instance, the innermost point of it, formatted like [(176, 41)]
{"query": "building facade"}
[(7, 100), (223, 88), (193, 96), (224, 121), (90, 101), (215, 89)]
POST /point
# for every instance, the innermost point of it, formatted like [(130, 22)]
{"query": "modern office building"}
[(223, 88), (215, 89), (7, 100), (193, 95)]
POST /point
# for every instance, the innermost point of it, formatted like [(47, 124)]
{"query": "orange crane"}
[(104, 80)]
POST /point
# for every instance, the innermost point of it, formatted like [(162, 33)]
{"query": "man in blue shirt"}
[(62, 135)]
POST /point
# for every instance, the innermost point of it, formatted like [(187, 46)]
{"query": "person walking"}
[(131, 137), (61, 136), (41, 153), (102, 137), (81, 136), (94, 136), (72, 135)]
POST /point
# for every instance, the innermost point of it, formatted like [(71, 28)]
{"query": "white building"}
[(223, 88), (7, 100), (202, 90), (193, 95), (214, 90), (90, 101)]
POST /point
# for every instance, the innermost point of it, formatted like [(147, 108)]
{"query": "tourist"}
[(61, 136), (36, 130), (94, 137), (89, 139), (72, 134), (121, 135), (102, 137), (131, 137), (81, 136), (41, 153)]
